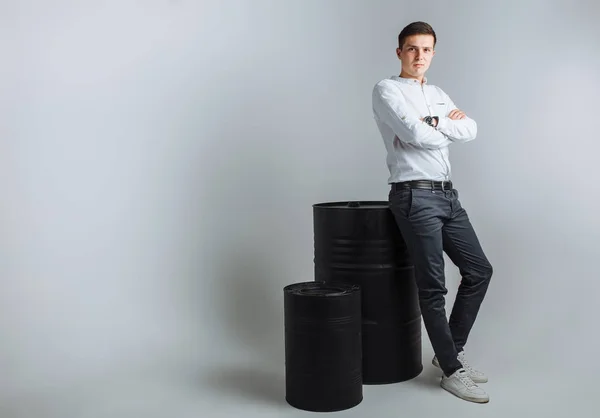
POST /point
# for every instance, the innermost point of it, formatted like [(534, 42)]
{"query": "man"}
[(418, 122)]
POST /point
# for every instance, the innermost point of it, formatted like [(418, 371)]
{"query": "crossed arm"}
[(456, 125), (391, 108)]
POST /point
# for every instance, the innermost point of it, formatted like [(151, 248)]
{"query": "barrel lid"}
[(321, 289), (355, 204)]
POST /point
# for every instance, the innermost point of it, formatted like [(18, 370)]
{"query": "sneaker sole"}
[(474, 379), (466, 398)]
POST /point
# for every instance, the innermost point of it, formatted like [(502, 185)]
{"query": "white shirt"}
[(415, 150)]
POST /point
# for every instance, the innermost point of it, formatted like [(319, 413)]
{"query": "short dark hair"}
[(416, 28)]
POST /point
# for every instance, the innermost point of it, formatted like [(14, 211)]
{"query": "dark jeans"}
[(433, 222)]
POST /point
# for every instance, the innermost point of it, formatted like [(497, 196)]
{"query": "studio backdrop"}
[(159, 161)]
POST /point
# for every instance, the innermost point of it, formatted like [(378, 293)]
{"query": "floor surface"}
[(257, 389)]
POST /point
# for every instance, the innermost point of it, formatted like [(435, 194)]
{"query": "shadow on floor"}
[(251, 384)]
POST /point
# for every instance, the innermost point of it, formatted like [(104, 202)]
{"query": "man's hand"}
[(457, 114)]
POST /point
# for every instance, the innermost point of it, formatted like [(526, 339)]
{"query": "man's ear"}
[(398, 52)]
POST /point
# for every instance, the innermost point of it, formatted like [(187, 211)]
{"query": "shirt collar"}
[(410, 81)]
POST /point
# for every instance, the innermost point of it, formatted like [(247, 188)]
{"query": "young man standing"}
[(418, 122)]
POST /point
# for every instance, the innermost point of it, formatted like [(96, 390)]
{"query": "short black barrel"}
[(359, 243), (323, 346)]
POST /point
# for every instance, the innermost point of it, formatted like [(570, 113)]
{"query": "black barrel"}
[(360, 243), (323, 353)]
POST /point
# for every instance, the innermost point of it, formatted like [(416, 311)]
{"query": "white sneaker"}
[(462, 386), (475, 375)]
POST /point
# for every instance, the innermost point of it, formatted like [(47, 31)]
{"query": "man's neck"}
[(419, 79)]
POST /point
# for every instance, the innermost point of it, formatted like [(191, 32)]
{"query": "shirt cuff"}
[(442, 123)]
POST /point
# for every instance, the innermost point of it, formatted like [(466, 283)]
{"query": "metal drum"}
[(323, 367), (359, 243)]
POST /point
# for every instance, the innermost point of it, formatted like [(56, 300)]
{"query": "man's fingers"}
[(457, 114)]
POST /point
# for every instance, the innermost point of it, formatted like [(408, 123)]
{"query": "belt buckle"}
[(444, 182)]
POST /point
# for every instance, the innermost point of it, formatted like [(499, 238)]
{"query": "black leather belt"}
[(422, 184)]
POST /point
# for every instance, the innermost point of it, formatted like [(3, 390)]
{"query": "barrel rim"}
[(380, 204)]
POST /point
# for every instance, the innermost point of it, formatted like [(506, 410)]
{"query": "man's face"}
[(416, 55)]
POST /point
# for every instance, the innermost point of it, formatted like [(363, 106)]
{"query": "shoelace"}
[(468, 382)]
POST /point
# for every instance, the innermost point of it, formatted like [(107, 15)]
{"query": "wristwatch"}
[(429, 120)]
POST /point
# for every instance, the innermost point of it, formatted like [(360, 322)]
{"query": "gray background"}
[(158, 164)]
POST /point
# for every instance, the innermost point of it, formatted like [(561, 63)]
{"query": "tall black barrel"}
[(359, 243), (323, 346)]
